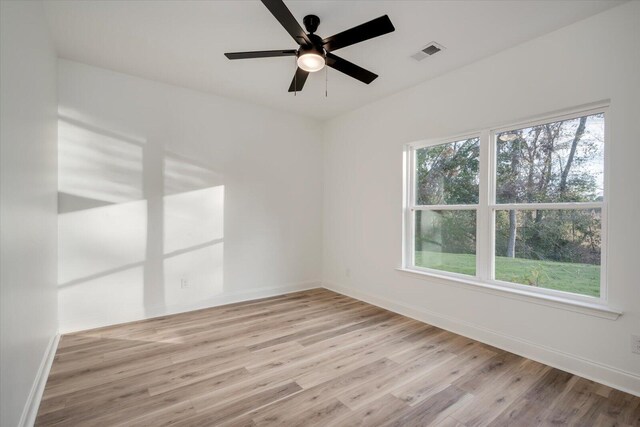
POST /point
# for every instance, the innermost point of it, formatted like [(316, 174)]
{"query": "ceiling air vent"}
[(427, 51)]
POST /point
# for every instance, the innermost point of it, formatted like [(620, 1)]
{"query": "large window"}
[(522, 206)]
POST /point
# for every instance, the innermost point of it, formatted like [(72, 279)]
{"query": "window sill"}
[(591, 309)]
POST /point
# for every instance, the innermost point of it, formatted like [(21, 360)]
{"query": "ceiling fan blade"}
[(260, 54), (298, 80), (350, 69), (282, 13), (362, 32)]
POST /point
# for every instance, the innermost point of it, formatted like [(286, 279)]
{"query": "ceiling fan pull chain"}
[(326, 82), (295, 78)]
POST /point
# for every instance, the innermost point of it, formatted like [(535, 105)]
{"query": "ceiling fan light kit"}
[(315, 52), (311, 62)]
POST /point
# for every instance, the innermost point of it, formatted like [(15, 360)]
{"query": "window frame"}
[(486, 207)]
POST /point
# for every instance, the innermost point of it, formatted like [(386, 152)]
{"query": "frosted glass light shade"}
[(311, 62)]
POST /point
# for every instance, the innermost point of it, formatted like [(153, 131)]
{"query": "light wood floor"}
[(310, 358)]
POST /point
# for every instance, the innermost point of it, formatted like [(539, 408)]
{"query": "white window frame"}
[(487, 206)]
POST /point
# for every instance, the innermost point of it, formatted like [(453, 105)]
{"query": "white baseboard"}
[(595, 371), (234, 297), (30, 410), (218, 300)]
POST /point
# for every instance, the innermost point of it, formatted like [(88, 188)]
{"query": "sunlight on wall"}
[(96, 168), (140, 230), (193, 232), (182, 174), (102, 227), (101, 240), (193, 218)]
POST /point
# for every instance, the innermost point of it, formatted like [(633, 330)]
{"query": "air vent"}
[(427, 51)]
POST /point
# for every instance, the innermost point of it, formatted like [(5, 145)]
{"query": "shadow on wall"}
[(140, 229)]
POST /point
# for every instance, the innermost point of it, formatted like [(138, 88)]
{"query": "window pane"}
[(553, 249), (554, 162), (446, 240), (447, 174)]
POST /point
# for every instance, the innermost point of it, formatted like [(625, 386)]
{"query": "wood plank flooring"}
[(310, 358)]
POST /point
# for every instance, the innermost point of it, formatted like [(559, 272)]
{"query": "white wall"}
[(592, 60), (160, 184), (28, 188)]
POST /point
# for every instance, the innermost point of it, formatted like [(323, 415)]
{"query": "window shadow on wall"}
[(140, 229), (193, 207)]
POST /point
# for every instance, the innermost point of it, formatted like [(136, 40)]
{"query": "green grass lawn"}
[(577, 278)]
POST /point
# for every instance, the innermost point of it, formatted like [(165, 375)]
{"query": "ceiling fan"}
[(315, 52)]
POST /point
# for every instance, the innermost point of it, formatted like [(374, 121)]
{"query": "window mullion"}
[(410, 214), (483, 237)]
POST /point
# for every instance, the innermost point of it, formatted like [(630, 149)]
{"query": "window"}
[(446, 194), (520, 207)]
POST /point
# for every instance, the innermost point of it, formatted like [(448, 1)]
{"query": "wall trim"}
[(595, 371), (216, 301), (234, 297), (32, 404)]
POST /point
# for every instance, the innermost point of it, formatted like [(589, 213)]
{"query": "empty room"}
[(319, 213)]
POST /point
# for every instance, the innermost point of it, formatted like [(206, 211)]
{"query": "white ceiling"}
[(182, 43)]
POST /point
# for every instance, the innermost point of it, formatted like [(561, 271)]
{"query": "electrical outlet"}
[(635, 344), (184, 283)]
